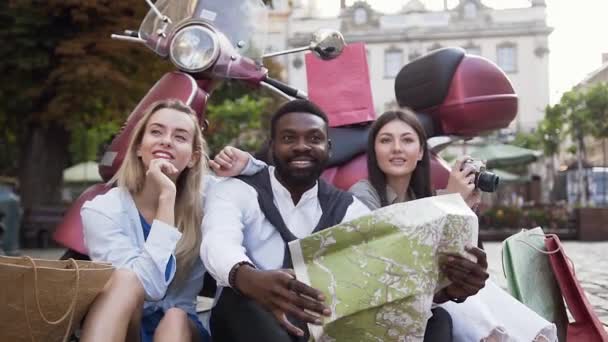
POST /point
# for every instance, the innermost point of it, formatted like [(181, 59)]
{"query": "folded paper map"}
[(379, 273)]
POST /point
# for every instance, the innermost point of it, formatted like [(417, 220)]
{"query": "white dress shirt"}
[(235, 229)]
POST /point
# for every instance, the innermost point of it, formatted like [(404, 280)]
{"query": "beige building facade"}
[(515, 39)]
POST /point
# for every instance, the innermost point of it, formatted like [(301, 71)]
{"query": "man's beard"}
[(299, 177)]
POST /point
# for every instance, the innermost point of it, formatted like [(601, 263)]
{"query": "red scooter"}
[(208, 41), (213, 40)]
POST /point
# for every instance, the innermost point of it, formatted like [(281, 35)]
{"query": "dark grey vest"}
[(334, 203)]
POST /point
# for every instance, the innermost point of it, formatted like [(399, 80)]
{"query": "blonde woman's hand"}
[(462, 179), (161, 171), (229, 162)]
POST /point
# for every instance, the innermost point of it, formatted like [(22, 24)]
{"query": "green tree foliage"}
[(580, 114), (579, 125), (87, 142), (527, 140), (69, 86), (65, 73), (64, 68), (236, 122), (596, 101), (239, 115), (551, 130)]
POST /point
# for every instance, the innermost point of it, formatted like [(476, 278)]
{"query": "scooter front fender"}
[(69, 231)]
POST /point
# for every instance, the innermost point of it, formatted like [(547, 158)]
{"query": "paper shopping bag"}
[(586, 326), (530, 278), (44, 300)]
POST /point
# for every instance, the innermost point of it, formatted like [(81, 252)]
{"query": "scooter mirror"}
[(327, 44)]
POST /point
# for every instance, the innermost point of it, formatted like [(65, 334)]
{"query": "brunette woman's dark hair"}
[(420, 182)]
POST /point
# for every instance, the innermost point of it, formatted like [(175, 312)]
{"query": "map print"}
[(379, 272)]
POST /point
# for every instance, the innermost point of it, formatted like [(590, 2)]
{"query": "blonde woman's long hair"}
[(188, 202)]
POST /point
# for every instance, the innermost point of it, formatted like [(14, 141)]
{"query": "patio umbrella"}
[(82, 173), (501, 155), (508, 177)]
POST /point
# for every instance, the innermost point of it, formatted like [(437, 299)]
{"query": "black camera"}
[(484, 180)]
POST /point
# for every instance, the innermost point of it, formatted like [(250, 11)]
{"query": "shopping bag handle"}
[(529, 245), (559, 249), (70, 310), (538, 249)]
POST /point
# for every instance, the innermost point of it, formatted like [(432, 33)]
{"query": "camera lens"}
[(487, 181)]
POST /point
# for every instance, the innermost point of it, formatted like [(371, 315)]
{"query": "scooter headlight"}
[(194, 48)]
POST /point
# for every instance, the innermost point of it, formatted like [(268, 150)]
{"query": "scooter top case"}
[(464, 95)]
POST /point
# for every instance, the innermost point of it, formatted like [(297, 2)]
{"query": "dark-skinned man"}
[(249, 220)]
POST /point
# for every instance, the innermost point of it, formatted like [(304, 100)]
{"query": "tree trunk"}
[(44, 157), (549, 197), (583, 157), (604, 172), (580, 196)]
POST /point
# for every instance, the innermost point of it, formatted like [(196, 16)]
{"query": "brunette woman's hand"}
[(229, 162), (161, 171), (462, 181), (281, 294)]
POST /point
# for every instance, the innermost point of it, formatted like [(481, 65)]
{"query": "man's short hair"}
[(296, 106)]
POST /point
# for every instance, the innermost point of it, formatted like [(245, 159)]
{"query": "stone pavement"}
[(590, 262)]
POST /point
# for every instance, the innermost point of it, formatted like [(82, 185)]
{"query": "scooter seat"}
[(347, 143), (424, 82)]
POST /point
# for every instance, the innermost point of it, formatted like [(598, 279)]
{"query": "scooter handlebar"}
[(285, 88)]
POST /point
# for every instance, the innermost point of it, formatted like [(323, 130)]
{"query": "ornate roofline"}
[(380, 36)]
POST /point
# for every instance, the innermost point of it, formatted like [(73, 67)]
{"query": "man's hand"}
[(281, 294), (467, 277), (229, 162)]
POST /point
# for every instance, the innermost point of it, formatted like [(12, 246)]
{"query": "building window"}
[(470, 10), (506, 57), (360, 16), (393, 61)]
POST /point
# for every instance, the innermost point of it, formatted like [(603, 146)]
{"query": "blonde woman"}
[(148, 227)]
